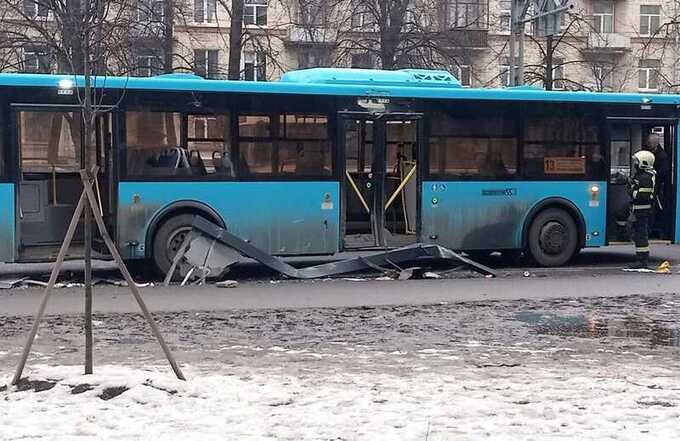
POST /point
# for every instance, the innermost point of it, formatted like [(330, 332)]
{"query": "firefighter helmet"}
[(643, 159)]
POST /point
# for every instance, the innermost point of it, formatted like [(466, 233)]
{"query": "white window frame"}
[(206, 67), (207, 18), (649, 73), (36, 53), (255, 58), (35, 13), (505, 14), (255, 6), (148, 64), (458, 70), (648, 19), (603, 78), (505, 78), (602, 18)]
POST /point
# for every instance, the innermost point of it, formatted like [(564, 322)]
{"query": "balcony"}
[(311, 35), (607, 43), (465, 38)]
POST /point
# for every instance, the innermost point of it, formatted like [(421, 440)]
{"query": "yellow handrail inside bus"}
[(401, 186), (356, 190)]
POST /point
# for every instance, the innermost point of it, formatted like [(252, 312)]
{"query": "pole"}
[(549, 63), (48, 289), (87, 118), (126, 274), (513, 26)]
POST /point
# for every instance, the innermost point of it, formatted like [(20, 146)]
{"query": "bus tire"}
[(553, 237), (167, 241)]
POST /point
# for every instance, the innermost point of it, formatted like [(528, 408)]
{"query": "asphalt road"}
[(595, 273)]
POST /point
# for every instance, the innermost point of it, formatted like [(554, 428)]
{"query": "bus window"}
[(563, 146), (209, 145), (49, 141), (153, 144), (3, 151), (473, 147), (300, 146)]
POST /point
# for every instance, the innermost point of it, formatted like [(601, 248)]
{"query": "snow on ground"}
[(571, 400)]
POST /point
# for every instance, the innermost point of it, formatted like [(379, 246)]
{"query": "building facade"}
[(602, 45)]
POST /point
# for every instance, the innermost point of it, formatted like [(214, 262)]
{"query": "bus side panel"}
[(280, 218), (7, 223), (676, 182), (491, 215)]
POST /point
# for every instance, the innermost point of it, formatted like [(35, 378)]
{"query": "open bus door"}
[(48, 141), (380, 178), (626, 137)]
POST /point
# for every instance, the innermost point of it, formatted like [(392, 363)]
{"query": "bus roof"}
[(407, 83)]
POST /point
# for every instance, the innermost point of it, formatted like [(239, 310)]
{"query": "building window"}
[(313, 57), (505, 79), (205, 11), (648, 75), (603, 78), (464, 74), (650, 19), (149, 63), (603, 17), (254, 66), (255, 12), (360, 16), (505, 15), (36, 60), (36, 8), (205, 63), (360, 61), (150, 11), (466, 13)]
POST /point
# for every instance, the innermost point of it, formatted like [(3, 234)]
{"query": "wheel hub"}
[(176, 240), (553, 237)]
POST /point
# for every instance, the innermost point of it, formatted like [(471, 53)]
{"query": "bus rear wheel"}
[(553, 237), (167, 242)]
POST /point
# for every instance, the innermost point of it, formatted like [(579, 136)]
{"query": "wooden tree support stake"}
[(88, 197)]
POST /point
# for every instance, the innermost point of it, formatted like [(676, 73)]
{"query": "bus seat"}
[(196, 163), (310, 162)]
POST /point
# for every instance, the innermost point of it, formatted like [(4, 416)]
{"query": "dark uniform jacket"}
[(642, 189)]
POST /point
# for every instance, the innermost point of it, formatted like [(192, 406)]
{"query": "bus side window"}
[(473, 147), (153, 141), (300, 147), (562, 145)]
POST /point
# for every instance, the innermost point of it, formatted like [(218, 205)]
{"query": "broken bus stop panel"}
[(222, 249)]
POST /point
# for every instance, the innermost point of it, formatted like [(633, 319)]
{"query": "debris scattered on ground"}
[(80, 388), (112, 392), (384, 278), (431, 275), (664, 267), (354, 279), (11, 283), (25, 384), (526, 274), (227, 284)]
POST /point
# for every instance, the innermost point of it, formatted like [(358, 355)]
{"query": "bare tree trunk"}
[(549, 63), (235, 31), (168, 35)]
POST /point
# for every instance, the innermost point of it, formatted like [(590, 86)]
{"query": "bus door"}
[(626, 137), (380, 182), (49, 186)]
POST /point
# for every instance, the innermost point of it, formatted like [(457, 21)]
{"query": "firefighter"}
[(642, 187)]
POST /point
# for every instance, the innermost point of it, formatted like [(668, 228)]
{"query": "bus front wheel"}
[(553, 237), (167, 242)]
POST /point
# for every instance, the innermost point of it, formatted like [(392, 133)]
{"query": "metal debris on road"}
[(227, 284)]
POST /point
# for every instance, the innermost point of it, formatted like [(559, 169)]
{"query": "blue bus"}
[(327, 160)]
